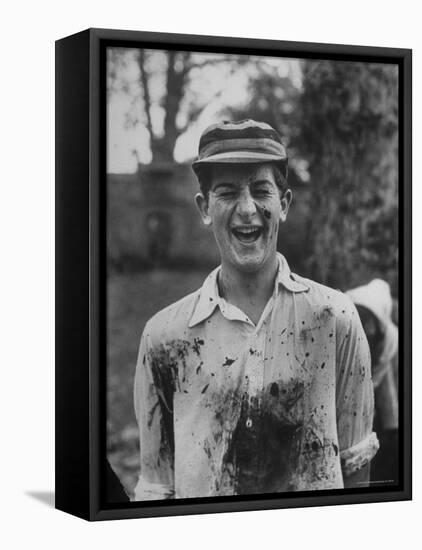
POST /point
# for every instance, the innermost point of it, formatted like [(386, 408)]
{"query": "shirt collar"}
[(209, 298), (289, 280)]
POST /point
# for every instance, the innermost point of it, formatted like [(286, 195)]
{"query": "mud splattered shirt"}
[(227, 407)]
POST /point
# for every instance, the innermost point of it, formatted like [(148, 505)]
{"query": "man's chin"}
[(249, 263)]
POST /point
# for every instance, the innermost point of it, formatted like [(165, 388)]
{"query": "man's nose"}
[(246, 205)]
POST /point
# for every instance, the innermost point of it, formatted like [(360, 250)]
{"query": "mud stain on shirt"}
[(264, 447)]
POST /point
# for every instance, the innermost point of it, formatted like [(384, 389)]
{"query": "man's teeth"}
[(248, 230), (247, 234)]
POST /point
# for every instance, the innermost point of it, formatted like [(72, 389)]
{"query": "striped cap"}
[(246, 141)]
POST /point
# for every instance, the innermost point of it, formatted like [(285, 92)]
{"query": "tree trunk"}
[(350, 135)]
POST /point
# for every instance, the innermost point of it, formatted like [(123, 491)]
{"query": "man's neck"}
[(249, 292)]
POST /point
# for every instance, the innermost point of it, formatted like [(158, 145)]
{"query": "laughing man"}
[(259, 382)]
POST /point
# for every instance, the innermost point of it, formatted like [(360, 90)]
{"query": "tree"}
[(163, 86), (350, 137), (275, 94)]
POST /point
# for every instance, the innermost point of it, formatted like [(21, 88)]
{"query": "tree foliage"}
[(168, 90), (349, 135), (339, 121), (275, 99)]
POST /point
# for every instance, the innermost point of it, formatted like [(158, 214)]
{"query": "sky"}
[(214, 87)]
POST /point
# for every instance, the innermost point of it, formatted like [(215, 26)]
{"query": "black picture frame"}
[(81, 272)]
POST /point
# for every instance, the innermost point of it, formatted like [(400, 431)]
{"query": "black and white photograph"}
[(210, 275), (253, 280)]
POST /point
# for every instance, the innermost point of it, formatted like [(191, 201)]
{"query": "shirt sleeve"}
[(354, 394), (154, 414)]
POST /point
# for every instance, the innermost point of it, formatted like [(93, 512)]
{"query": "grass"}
[(132, 298)]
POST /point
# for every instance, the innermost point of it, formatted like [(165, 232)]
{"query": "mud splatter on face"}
[(266, 213), (228, 362)]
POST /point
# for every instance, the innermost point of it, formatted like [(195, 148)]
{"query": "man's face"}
[(245, 208)]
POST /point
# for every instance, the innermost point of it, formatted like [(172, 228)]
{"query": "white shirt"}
[(227, 407)]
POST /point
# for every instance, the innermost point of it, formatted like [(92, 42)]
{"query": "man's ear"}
[(202, 205), (285, 200)]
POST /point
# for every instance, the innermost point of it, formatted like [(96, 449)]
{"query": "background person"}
[(374, 304)]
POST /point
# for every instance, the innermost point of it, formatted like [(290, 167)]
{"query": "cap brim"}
[(238, 157)]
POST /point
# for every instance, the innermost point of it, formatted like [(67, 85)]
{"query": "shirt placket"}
[(255, 361)]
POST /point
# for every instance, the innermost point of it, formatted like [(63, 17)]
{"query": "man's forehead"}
[(240, 173)]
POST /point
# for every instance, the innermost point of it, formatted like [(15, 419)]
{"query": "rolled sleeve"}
[(155, 417), (357, 457), (354, 395)]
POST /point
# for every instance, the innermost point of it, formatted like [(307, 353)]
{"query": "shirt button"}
[(249, 423)]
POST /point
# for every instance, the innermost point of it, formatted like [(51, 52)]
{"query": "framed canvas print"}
[(233, 274)]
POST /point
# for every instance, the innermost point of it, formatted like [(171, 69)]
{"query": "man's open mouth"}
[(247, 234)]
